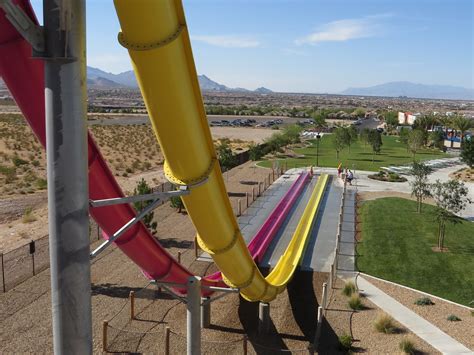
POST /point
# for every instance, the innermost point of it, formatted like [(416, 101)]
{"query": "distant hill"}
[(408, 89), (102, 83), (100, 78)]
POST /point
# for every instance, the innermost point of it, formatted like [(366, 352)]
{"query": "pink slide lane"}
[(262, 239)]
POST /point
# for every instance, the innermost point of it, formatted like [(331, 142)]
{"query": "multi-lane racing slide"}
[(24, 77), (157, 39)]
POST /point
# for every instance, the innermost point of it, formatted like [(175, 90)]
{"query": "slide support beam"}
[(263, 318), (193, 331), (68, 190)]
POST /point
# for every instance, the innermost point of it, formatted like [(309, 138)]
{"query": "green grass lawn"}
[(396, 246), (360, 156)]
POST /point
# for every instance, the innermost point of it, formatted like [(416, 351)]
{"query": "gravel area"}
[(462, 331), (360, 325)]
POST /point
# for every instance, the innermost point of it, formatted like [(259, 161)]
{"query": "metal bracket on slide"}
[(32, 33), (166, 285), (156, 198)]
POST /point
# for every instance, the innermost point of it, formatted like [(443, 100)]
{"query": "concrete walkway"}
[(365, 184), (418, 325), (345, 266)]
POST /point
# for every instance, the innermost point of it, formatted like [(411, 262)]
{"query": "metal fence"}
[(19, 264)]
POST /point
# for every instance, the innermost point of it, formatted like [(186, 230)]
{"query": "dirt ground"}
[(466, 174), (436, 314), (359, 324)]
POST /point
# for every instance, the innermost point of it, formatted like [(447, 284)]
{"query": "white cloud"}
[(344, 30), (228, 41)]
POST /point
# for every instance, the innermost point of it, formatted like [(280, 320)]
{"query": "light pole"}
[(318, 137)]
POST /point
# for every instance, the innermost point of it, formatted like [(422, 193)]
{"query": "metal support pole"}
[(253, 193), (167, 341), (247, 199), (196, 248), (105, 324), (263, 318), (193, 333), (245, 344), (3, 274), (324, 297), (205, 313), (239, 207), (318, 327), (132, 305), (68, 192), (179, 257)]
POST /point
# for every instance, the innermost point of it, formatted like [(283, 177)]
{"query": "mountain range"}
[(408, 89), (101, 79)]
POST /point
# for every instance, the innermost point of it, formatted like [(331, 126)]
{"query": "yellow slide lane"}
[(156, 36)]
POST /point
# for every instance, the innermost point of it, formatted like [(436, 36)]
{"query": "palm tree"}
[(446, 122), (462, 124)]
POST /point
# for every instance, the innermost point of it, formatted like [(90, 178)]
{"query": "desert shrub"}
[(424, 301), (349, 288), (407, 346), (255, 152), (35, 163), (345, 342), (129, 171), (17, 161), (41, 183), (355, 302), (28, 216), (9, 172), (453, 318), (384, 323)]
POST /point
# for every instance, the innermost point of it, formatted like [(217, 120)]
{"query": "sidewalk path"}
[(418, 325)]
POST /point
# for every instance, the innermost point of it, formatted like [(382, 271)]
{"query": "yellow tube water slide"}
[(156, 36)]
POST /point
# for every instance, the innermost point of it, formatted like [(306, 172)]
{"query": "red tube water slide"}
[(24, 77)]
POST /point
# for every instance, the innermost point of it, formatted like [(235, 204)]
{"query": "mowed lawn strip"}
[(359, 156), (397, 246)]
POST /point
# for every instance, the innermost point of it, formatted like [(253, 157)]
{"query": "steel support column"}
[(68, 203), (193, 331)]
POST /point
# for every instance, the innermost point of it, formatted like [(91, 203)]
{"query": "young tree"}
[(391, 119), (320, 120), (364, 136), (177, 202), (227, 159), (375, 140), (437, 139), (462, 124), (359, 112), (415, 140), (255, 152), (142, 188), (404, 135), (292, 133), (451, 198), (467, 152), (340, 140), (351, 136), (420, 186)]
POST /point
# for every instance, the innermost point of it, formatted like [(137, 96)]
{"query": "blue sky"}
[(311, 45)]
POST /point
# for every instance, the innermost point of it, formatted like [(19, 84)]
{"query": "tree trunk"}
[(337, 154)]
